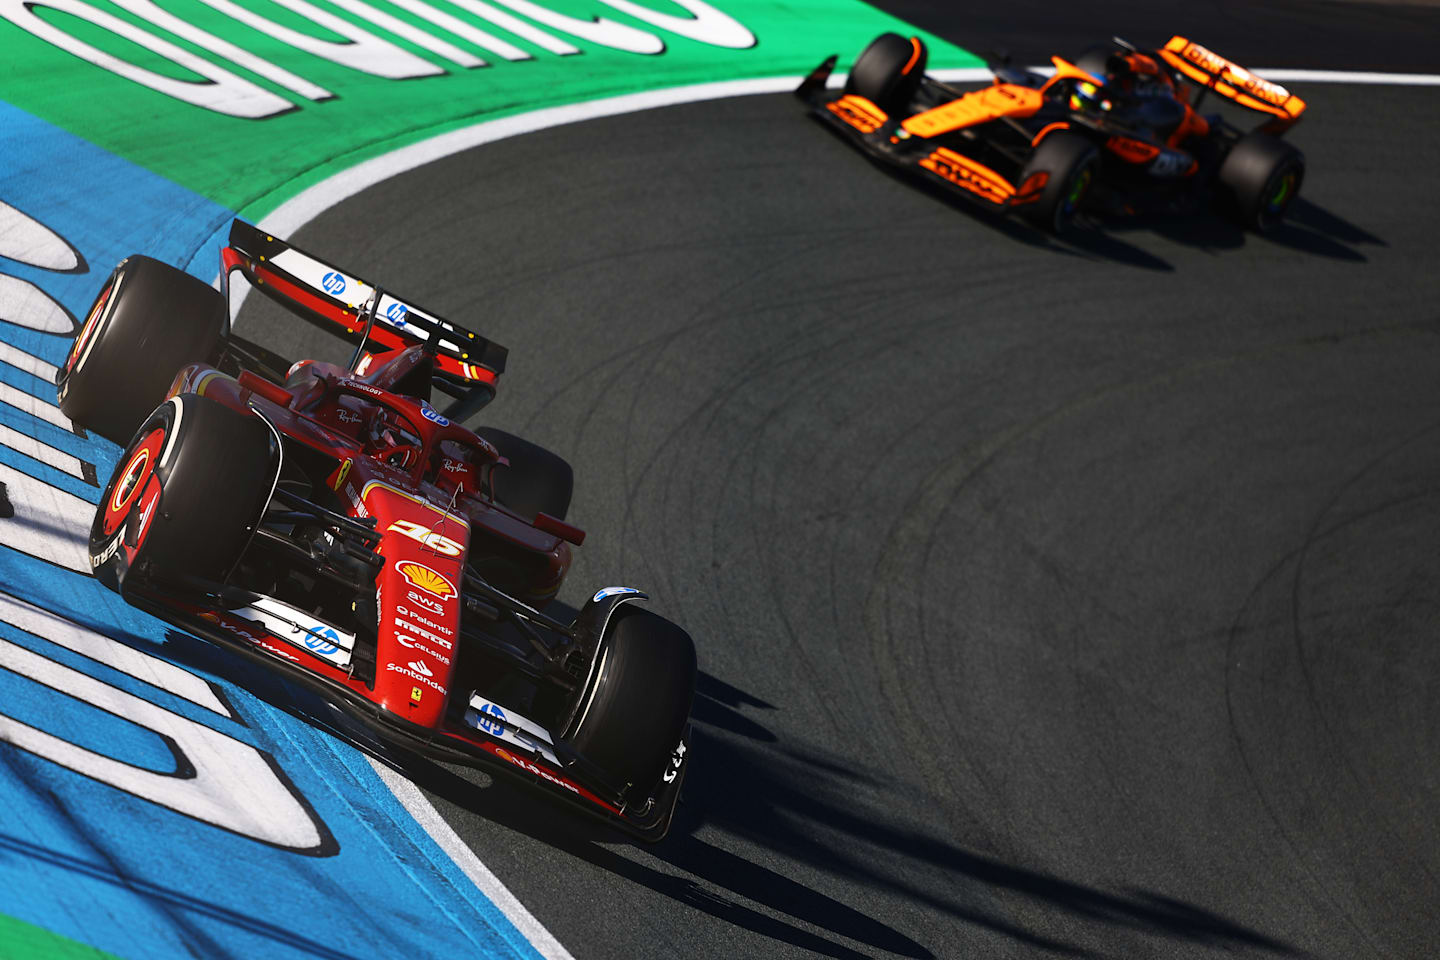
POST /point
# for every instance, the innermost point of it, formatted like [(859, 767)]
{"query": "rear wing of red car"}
[(336, 301), (1232, 81)]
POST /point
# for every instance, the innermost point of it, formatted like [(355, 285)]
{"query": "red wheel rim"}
[(88, 330), (131, 480)]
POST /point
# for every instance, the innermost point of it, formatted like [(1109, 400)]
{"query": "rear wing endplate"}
[(334, 300), (1232, 81)]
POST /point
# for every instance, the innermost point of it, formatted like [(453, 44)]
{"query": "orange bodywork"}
[(1030, 190), (1065, 70), (1048, 129), (978, 106), (1232, 81), (1132, 151), (1193, 125), (915, 50), (975, 177), (858, 112), (1139, 63)]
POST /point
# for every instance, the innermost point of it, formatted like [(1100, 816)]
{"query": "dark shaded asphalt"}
[(1058, 599), (1313, 34)]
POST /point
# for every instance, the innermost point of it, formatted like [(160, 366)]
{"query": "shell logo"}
[(426, 579)]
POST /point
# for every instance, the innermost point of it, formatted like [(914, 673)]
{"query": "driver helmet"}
[(390, 442), (1086, 97)]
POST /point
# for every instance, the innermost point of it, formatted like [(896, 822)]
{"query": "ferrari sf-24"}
[(332, 524)]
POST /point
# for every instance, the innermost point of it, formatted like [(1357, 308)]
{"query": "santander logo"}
[(419, 667)]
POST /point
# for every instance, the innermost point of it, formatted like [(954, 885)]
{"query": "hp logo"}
[(333, 283), (490, 727)]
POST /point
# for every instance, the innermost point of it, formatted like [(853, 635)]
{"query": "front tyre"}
[(1069, 163), (888, 72), (185, 496), (147, 322), (1262, 175), (637, 707)]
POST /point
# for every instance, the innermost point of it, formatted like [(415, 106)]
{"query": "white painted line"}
[(65, 632), (41, 451), (981, 75), (1351, 76), (305, 206), (33, 405), (310, 203), (31, 364), (449, 841)]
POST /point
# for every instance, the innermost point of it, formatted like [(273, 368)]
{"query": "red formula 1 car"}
[(1119, 131), (331, 523)]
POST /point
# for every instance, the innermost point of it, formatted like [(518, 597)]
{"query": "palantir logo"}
[(333, 283)]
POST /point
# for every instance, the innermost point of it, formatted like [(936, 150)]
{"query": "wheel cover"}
[(130, 480), (1078, 188), (1281, 195)]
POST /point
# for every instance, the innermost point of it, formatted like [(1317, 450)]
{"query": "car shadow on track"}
[(799, 805), (1085, 242), (525, 810), (803, 807), (1308, 228), (710, 879)]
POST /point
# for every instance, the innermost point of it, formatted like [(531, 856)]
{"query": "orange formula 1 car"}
[(1119, 131)]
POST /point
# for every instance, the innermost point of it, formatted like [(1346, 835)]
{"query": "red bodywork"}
[(429, 525)]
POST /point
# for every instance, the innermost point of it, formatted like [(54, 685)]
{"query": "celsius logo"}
[(333, 283), (397, 313), (490, 726)]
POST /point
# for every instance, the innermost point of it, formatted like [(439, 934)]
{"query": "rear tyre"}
[(147, 322), (888, 72), (1262, 176), (640, 702), (536, 481), (1070, 164), (185, 496)]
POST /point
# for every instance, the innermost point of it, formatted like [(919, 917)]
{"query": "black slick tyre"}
[(1070, 164), (888, 72), (1261, 177), (536, 480), (637, 707), (185, 496), (147, 322)]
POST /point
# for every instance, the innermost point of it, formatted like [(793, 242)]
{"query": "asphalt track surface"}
[(1051, 598)]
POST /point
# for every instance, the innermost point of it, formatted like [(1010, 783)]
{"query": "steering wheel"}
[(389, 438)]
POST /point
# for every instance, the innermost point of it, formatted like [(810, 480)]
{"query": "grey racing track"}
[(1051, 598)]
